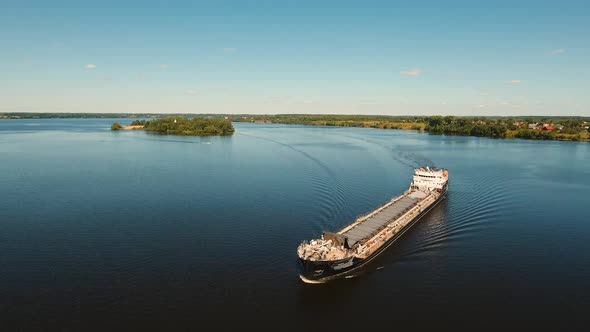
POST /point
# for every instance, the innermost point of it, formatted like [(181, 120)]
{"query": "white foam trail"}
[(308, 281)]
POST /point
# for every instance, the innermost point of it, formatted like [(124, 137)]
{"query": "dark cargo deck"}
[(374, 224)]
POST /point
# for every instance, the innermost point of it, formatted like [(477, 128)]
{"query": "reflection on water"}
[(131, 230)]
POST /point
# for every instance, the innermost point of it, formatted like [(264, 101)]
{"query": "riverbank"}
[(533, 128)]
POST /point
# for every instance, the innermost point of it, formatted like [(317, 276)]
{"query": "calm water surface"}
[(128, 231)]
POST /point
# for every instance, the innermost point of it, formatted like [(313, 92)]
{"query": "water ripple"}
[(397, 152), (331, 192)]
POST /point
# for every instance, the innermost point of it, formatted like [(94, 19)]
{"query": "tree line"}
[(176, 125), (570, 128)]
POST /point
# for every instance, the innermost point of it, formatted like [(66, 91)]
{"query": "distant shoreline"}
[(237, 116), (542, 128), (561, 128)]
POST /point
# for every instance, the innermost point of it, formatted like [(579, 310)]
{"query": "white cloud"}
[(411, 72), (191, 92), (514, 81), (229, 49), (557, 51), (443, 103), (485, 94), (164, 66), (90, 66)]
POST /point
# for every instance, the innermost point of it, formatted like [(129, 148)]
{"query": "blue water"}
[(126, 230)]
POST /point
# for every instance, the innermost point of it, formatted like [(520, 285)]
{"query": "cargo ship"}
[(339, 254)]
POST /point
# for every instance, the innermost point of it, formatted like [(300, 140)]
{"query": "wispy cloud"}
[(514, 81), (190, 92), (485, 94), (91, 66), (229, 49), (411, 72), (557, 51), (481, 106), (164, 66)]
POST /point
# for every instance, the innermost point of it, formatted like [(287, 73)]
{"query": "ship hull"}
[(322, 271)]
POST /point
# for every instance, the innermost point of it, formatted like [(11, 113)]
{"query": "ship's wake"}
[(330, 191), (397, 152), (475, 203)]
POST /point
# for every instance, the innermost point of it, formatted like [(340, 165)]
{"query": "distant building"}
[(548, 127), (533, 125)]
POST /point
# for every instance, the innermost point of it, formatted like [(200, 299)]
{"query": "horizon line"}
[(316, 114)]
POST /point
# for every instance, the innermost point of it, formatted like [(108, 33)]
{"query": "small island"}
[(182, 126)]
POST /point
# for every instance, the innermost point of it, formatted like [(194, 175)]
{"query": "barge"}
[(339, 254)]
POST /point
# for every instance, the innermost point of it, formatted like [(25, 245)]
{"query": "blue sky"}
[(348, 57)]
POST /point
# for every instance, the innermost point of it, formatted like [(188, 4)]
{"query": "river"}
[(126, 230)]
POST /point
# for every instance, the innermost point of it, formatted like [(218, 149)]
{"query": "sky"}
[(271, 57)]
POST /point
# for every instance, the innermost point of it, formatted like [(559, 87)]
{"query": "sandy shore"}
[(131, 127)]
